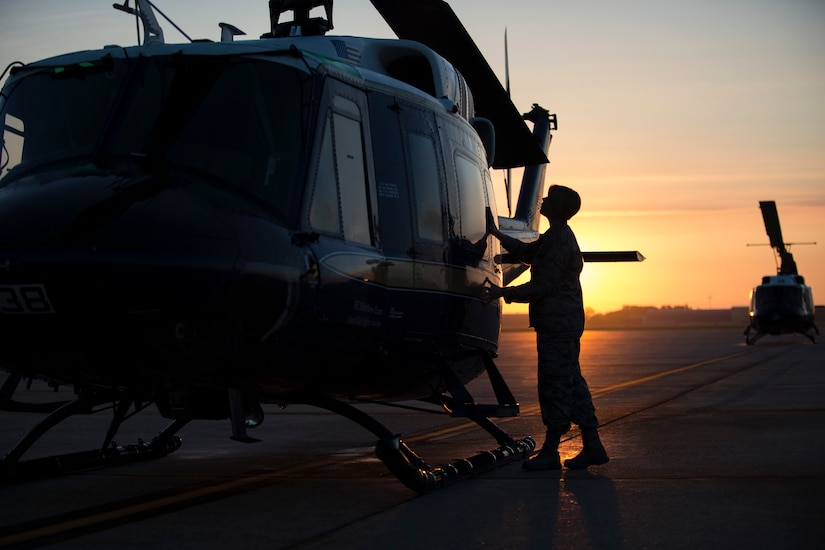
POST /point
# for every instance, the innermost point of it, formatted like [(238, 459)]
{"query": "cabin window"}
[(349, 159), (391, 179), (340, 199), (324, 215), (426, 185), (471, 199)]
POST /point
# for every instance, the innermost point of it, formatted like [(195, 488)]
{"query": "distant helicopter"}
[(207, 227), (783, 303)]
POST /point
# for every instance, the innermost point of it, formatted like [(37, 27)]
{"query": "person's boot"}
[(592, 453), (548, 457)]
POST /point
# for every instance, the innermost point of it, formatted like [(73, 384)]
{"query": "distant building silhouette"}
[(650, 317)]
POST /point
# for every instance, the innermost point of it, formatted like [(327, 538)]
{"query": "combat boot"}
[(548, 457), (592, 453)]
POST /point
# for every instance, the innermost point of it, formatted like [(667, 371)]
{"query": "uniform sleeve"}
[(546, 271), (528, 292), (521, 251), (537, 287)]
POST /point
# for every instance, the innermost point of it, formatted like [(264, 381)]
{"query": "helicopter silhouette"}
[(212, 226), (782, 303)]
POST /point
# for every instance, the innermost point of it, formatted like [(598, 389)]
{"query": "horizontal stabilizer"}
[(512, 268), (623, 256)]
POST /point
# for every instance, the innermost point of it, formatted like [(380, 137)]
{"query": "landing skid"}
[(751, 339), (812, 334), (12, 468), (407, 466), (411, 469)]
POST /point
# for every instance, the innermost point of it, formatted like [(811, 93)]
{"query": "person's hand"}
[(492, 228), (492, 292)]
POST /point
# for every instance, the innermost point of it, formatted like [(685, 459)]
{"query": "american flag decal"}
[(347, 52)]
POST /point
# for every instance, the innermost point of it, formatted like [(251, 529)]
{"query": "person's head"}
[(561, 203)]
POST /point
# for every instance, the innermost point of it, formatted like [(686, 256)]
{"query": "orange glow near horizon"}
[(695, 258)]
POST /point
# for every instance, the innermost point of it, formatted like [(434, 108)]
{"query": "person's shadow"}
[(597, 499)]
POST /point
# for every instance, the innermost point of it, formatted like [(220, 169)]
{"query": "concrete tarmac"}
[(713, 444)]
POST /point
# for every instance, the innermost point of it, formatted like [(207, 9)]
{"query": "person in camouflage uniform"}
[(557, 315)]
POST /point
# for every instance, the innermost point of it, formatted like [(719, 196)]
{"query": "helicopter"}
[(782, 303), (207, 227)]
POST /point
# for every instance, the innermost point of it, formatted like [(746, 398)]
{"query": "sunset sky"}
[(675, 120)]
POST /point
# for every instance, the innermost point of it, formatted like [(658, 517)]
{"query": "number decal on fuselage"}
[(24, 299)]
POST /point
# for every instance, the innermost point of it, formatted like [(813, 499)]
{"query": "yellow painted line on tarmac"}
[(637, 381), (535, 408), (150, 505)]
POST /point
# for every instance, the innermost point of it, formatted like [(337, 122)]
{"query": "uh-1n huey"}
[(782, 303), (301, 218)]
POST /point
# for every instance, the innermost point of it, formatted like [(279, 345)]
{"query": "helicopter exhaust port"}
[(302, 24)]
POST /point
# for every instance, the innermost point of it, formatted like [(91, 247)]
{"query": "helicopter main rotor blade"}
[(771, 218), (434, 24)]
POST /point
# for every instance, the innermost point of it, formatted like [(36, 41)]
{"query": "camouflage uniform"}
[(557, 314)]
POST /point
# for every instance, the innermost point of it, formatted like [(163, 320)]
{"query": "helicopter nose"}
[(134, 272), (100, 243), (92, 211)]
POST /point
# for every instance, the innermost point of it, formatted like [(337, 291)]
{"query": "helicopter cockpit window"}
[(12, 144), (236, 123), (247, 130), (55, 115)]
